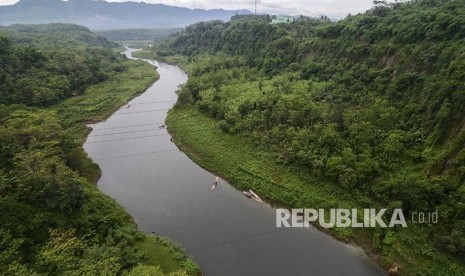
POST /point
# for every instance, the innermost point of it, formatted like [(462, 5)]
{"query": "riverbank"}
[(95, 105), (98, 103), (178, 60), (144, 53), (248, 166)]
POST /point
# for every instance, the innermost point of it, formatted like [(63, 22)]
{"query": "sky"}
[(330, 8)]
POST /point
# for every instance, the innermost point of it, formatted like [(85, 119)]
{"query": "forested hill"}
[(102, 15), (44, 64), (53, 219), (373, 104), (49, 36)]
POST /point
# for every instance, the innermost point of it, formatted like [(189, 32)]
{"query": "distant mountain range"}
[(102, 15)]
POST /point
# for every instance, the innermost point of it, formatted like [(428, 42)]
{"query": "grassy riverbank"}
[(178, 60), (101, 100), (246, 165), (96, 104), (144, 53)]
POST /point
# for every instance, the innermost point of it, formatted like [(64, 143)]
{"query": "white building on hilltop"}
[(282, 19)]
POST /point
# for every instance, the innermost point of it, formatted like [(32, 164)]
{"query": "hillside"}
[(367, 110), (54, 220), (100, 15)]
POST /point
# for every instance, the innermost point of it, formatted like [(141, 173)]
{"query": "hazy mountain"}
[(98, 14)]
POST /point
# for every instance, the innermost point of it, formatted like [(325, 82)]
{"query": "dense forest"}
[(373, 104), (54, 221), (43, 64)]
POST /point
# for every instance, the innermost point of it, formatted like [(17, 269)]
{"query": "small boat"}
[(247, 194), (255, 196), (251, 194)]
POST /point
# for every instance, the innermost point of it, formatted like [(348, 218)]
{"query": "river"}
[(222, 230)]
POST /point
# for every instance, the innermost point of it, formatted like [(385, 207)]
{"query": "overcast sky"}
[(331, 8)]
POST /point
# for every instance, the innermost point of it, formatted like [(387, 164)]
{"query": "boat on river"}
[(251, 194)]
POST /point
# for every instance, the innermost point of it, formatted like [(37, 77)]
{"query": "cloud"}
[(330, 8), (7, 2)]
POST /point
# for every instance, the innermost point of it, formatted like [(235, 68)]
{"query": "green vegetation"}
[(136, 44), (141, 35), (102, 99), (161, 252), (143, 39), (40, 68), (54, 219), (97, 103), (144, 53), (248, 165), (361, 113)]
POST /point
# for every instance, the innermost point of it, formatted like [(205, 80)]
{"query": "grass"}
[(99, 101), (96, 104), (161, 252), (119, 49), (158, 253), (179, 60), (144, 53), (248, 166)]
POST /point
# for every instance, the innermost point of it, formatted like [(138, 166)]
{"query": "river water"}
[(222, 230)]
